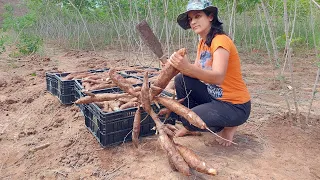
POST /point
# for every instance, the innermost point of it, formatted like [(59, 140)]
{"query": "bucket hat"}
[(198, 5)]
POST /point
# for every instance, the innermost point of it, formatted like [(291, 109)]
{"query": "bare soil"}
[(42, 139)]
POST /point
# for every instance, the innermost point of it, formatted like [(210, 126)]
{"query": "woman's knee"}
[(178, 80), (182, 80)]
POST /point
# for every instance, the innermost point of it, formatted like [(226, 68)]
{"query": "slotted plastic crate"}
[(140, 75), (114, 128), (63, 89), (52, 83)]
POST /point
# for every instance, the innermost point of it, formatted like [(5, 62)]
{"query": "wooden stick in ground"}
[(122, 83), (136, 128), (175, 157), (165, 76), (194, 161)]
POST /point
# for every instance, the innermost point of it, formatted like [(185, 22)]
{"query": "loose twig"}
[(39, 147), (116, 169)]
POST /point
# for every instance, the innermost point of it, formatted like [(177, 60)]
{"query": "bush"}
[(3, 40), (29, 44)]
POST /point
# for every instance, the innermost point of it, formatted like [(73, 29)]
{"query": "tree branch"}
[(316, 3)]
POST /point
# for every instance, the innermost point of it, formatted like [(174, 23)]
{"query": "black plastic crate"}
[(64, 89), (52, 83), (140, 76), (118, 130), (112, 128)]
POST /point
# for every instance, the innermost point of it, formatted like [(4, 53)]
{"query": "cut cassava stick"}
[(122, 83), (194, 162), (100, 98), (165, 76), (144, 94), (136, 128), (175, 157)]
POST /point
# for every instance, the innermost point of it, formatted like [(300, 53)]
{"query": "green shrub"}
[(29, 44), (3, 40)]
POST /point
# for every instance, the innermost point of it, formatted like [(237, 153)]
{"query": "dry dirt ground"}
[(269, 145)]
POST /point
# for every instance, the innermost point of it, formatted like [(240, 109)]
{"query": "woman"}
[(218, 93)]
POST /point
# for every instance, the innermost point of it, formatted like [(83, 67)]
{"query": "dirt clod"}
[(3, 83)]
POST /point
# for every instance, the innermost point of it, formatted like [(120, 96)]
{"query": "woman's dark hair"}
[(216, 28)]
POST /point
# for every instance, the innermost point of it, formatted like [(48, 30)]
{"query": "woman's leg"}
[(219, 115), (198, 93)]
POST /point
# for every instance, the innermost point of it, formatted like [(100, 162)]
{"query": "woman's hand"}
[(179, 62)]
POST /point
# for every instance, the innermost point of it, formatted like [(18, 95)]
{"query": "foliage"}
[(2, 47), (109, 21), (8, 19), (29, 44), (3, 40), (17, 23)]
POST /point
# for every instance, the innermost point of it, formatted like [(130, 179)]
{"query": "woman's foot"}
[(226, 133), (182, 131)]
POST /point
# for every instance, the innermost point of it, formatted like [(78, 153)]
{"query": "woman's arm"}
[(214, 76)]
